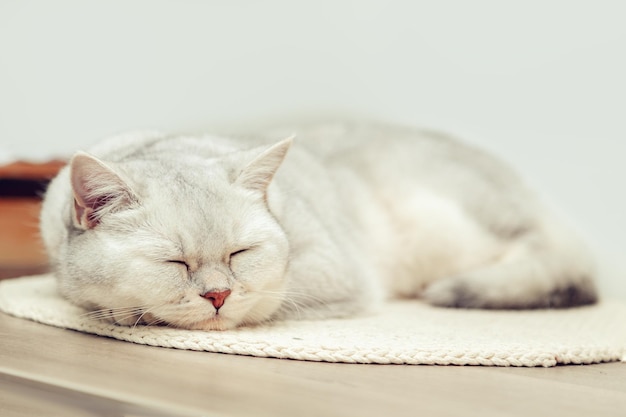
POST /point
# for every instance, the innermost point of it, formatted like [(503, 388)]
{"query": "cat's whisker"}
[(108, 313), (157, 322), (139, 318), (146, 311), (296, 307), (99, 314), (117, 313)]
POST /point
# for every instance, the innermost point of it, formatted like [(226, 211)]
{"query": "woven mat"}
[(404, 332)]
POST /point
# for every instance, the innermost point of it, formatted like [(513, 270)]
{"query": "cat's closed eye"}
[(237, 252), (179, 262)]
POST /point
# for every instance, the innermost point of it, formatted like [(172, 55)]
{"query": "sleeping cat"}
[(211, 232)]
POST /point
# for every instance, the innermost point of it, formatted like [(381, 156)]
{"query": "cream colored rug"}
[(404, 332)]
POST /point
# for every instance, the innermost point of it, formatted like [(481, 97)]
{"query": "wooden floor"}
[(45, 371)]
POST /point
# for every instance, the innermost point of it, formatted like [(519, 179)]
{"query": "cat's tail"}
[(547, 267)]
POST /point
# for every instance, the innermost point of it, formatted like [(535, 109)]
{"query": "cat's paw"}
[(481, 290), (453, 292)]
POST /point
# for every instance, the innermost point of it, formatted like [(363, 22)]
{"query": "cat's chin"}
[(214, 323)]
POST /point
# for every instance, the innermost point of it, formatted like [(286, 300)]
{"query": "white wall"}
[(541, 83)]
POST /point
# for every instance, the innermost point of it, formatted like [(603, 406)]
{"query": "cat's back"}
[(396, 157), (365, 145)]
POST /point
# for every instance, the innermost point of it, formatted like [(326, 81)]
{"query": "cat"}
[(215, 232)]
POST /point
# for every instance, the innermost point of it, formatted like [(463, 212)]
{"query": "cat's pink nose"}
[(216, 297)]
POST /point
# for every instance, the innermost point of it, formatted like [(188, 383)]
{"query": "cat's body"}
[(354, 214)]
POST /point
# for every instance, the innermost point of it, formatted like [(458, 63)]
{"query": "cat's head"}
[(188, 242)]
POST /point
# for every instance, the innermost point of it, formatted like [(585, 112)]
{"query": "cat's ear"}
[(258, 174), (97, 190)]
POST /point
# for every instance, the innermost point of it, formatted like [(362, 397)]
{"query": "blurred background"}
[(540, 83)]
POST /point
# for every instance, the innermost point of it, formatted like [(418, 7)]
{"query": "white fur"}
[(354, 214)]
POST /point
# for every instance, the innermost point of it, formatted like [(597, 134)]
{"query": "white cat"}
[(214, 232)]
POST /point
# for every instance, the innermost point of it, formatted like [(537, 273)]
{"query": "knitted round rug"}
[(403, 332)]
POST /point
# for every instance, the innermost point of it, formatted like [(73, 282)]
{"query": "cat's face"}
[(177, 250)]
